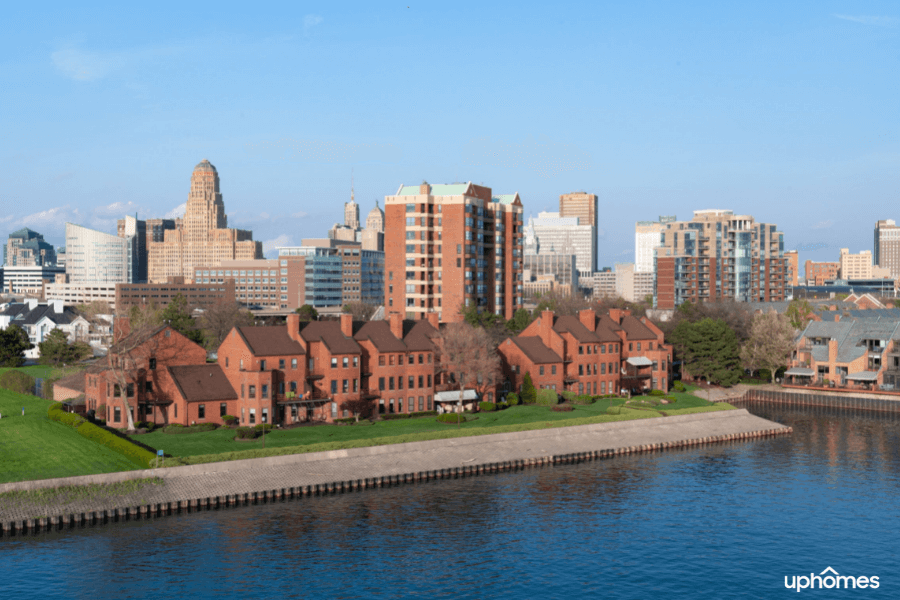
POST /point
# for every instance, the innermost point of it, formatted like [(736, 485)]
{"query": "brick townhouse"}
[(588, 354)]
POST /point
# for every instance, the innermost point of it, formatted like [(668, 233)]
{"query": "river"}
[(723, 521)]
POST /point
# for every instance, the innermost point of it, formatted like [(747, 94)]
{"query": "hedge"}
[(17, 381), (451, 418), (657, 393), (547, 397), (200, 427), (116, 444), (679, 387), (56, 413), (247, 433), (487, 407)]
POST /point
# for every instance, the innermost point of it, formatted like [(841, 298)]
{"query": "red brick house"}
[(588, 354)]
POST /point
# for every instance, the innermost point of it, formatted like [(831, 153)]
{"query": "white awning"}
[(453, 396), (863, 376), (800, 371), (639, 361)]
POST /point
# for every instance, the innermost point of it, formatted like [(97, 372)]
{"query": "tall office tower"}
[(550, 233), (27, 248), (133, 227), (719, 255), (887, 247), (203, 239), (102, 258), (793, 261), (449, 246), (582, 206), (351, 212), (647, 236)]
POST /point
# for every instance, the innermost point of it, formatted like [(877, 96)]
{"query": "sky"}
[(789, 112)]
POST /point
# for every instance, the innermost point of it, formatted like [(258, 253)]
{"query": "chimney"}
[(432, 318), (617, 314), (546, 326), (588, 318), (396, 322), (424, 189), (832, 350), (347, 324), (293, 327)]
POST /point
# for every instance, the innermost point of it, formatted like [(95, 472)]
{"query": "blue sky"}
[(786, 111)]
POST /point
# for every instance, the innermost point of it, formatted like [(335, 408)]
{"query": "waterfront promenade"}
[(306, 471)]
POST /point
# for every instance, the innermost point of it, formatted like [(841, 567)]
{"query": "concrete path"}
[(261, 474)]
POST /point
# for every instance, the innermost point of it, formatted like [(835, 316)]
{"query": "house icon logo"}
[(830, 579)]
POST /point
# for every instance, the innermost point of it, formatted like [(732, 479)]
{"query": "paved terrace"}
[(190, 483)]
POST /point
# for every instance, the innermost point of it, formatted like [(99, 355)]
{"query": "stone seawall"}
[(238, 483), (846, 401)]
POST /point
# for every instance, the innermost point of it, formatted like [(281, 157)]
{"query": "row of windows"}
[(424, 382), (399, 359)]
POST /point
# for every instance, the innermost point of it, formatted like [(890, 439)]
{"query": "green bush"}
[(502, 406), (17, 381), (512, 399), (395, 416), (487, 407), (229, 420), (657, 393), (424, 413), (179, 428), (583, 399), (115, 443), (145, 425), (679, 387), (267, 427), (529, 392), (450, 418), (547, 397), (567, 395), (56, 413), (247, 433)]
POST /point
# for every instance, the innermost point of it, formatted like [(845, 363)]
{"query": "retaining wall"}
[(832, 400)]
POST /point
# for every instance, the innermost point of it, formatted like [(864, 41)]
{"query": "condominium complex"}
[(96, 257), (817, 273), (554, 234), (27, 248), (204, 238), (719, 255), (647, 236), (452, 245), (887, 247), (793, 259)]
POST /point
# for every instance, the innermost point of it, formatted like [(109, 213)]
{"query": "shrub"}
[(450, 418), (679, 387), (547, 397), (395, 416), (115, 443), (583, 399), (424, 413), (529, 393), (512, 399), (229, 420), (502, 406), (487, 407), (247, 433), (657, 393), (178, 428), (267, 427), (562, 408), (567, 395), (344, 421), (56, 413), (17, 381)]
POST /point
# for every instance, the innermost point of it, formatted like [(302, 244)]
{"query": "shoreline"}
[(218, 485)]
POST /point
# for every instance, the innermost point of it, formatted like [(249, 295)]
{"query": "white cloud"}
[(310, 21), (117, 210), (823, 224), (869, 20), (176, 212), (281, 240), (52, 219)]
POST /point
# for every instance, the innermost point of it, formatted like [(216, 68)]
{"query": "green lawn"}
[(34, 447), (222, 440), (44, 371)]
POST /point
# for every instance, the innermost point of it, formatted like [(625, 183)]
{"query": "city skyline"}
[(657, 109)]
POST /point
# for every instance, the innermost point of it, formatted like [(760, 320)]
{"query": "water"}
[(725, 521)]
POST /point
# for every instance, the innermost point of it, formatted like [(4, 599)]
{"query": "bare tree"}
[(771, 343), (361, 311), (219, 319), (359, 406), (466, 353), (560, 303)]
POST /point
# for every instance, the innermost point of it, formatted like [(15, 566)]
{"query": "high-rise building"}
[(351, 212), (449, 246), (546, 272), (204, 238), (719, 255), (27, 248), (550, 233), (817, 273), (856, 266), (647, 236), (334, 273), (887, 247), (371, 238), (793, 259), (582, 206), (96, 257)]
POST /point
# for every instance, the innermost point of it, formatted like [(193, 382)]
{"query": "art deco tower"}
[(205, 209)]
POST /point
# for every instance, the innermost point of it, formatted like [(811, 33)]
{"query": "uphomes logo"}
[(829, 579)]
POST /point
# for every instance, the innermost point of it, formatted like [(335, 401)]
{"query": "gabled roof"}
[(420, 335), (270, 341), (21, 315), (136, 338), (850, 336), (574, 326), (505, 198), (635, 330), (72, 382), (535, 350), (379, 333), (198, 383), (330, 334)]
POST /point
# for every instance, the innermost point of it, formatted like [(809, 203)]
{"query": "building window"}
[(355, 361), (421, 381), (148, 387), (262, 365), (639, 346), (346, 362), (252, 416), (117, 414), (152, 363), (265, 390), (412, 381), (253, 391), (334, 363), (281, 364), (293, 363), (381, 383), (553, 369), (293, 387), (201, 411), (381, 361), (265, 415), (334, 386), (346, 386), (390, 383), (223, 409), (541, 370)]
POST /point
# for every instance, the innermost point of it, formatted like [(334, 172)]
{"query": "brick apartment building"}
[(589, 354), (197, 295), (817, 273), (449, 246), (720, 255)]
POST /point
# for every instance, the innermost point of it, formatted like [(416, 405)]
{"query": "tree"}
[(307, 313), (219, 319), (13, 344), (361, 311), (178, 315), (56, 349), (771, 343), (493, 324), (709, 349), (561, 304), (468, 355), (521, 319), (529, 393), (358, 406), (799, 313)]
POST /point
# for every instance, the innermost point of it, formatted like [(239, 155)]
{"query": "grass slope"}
[(34, 447)]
